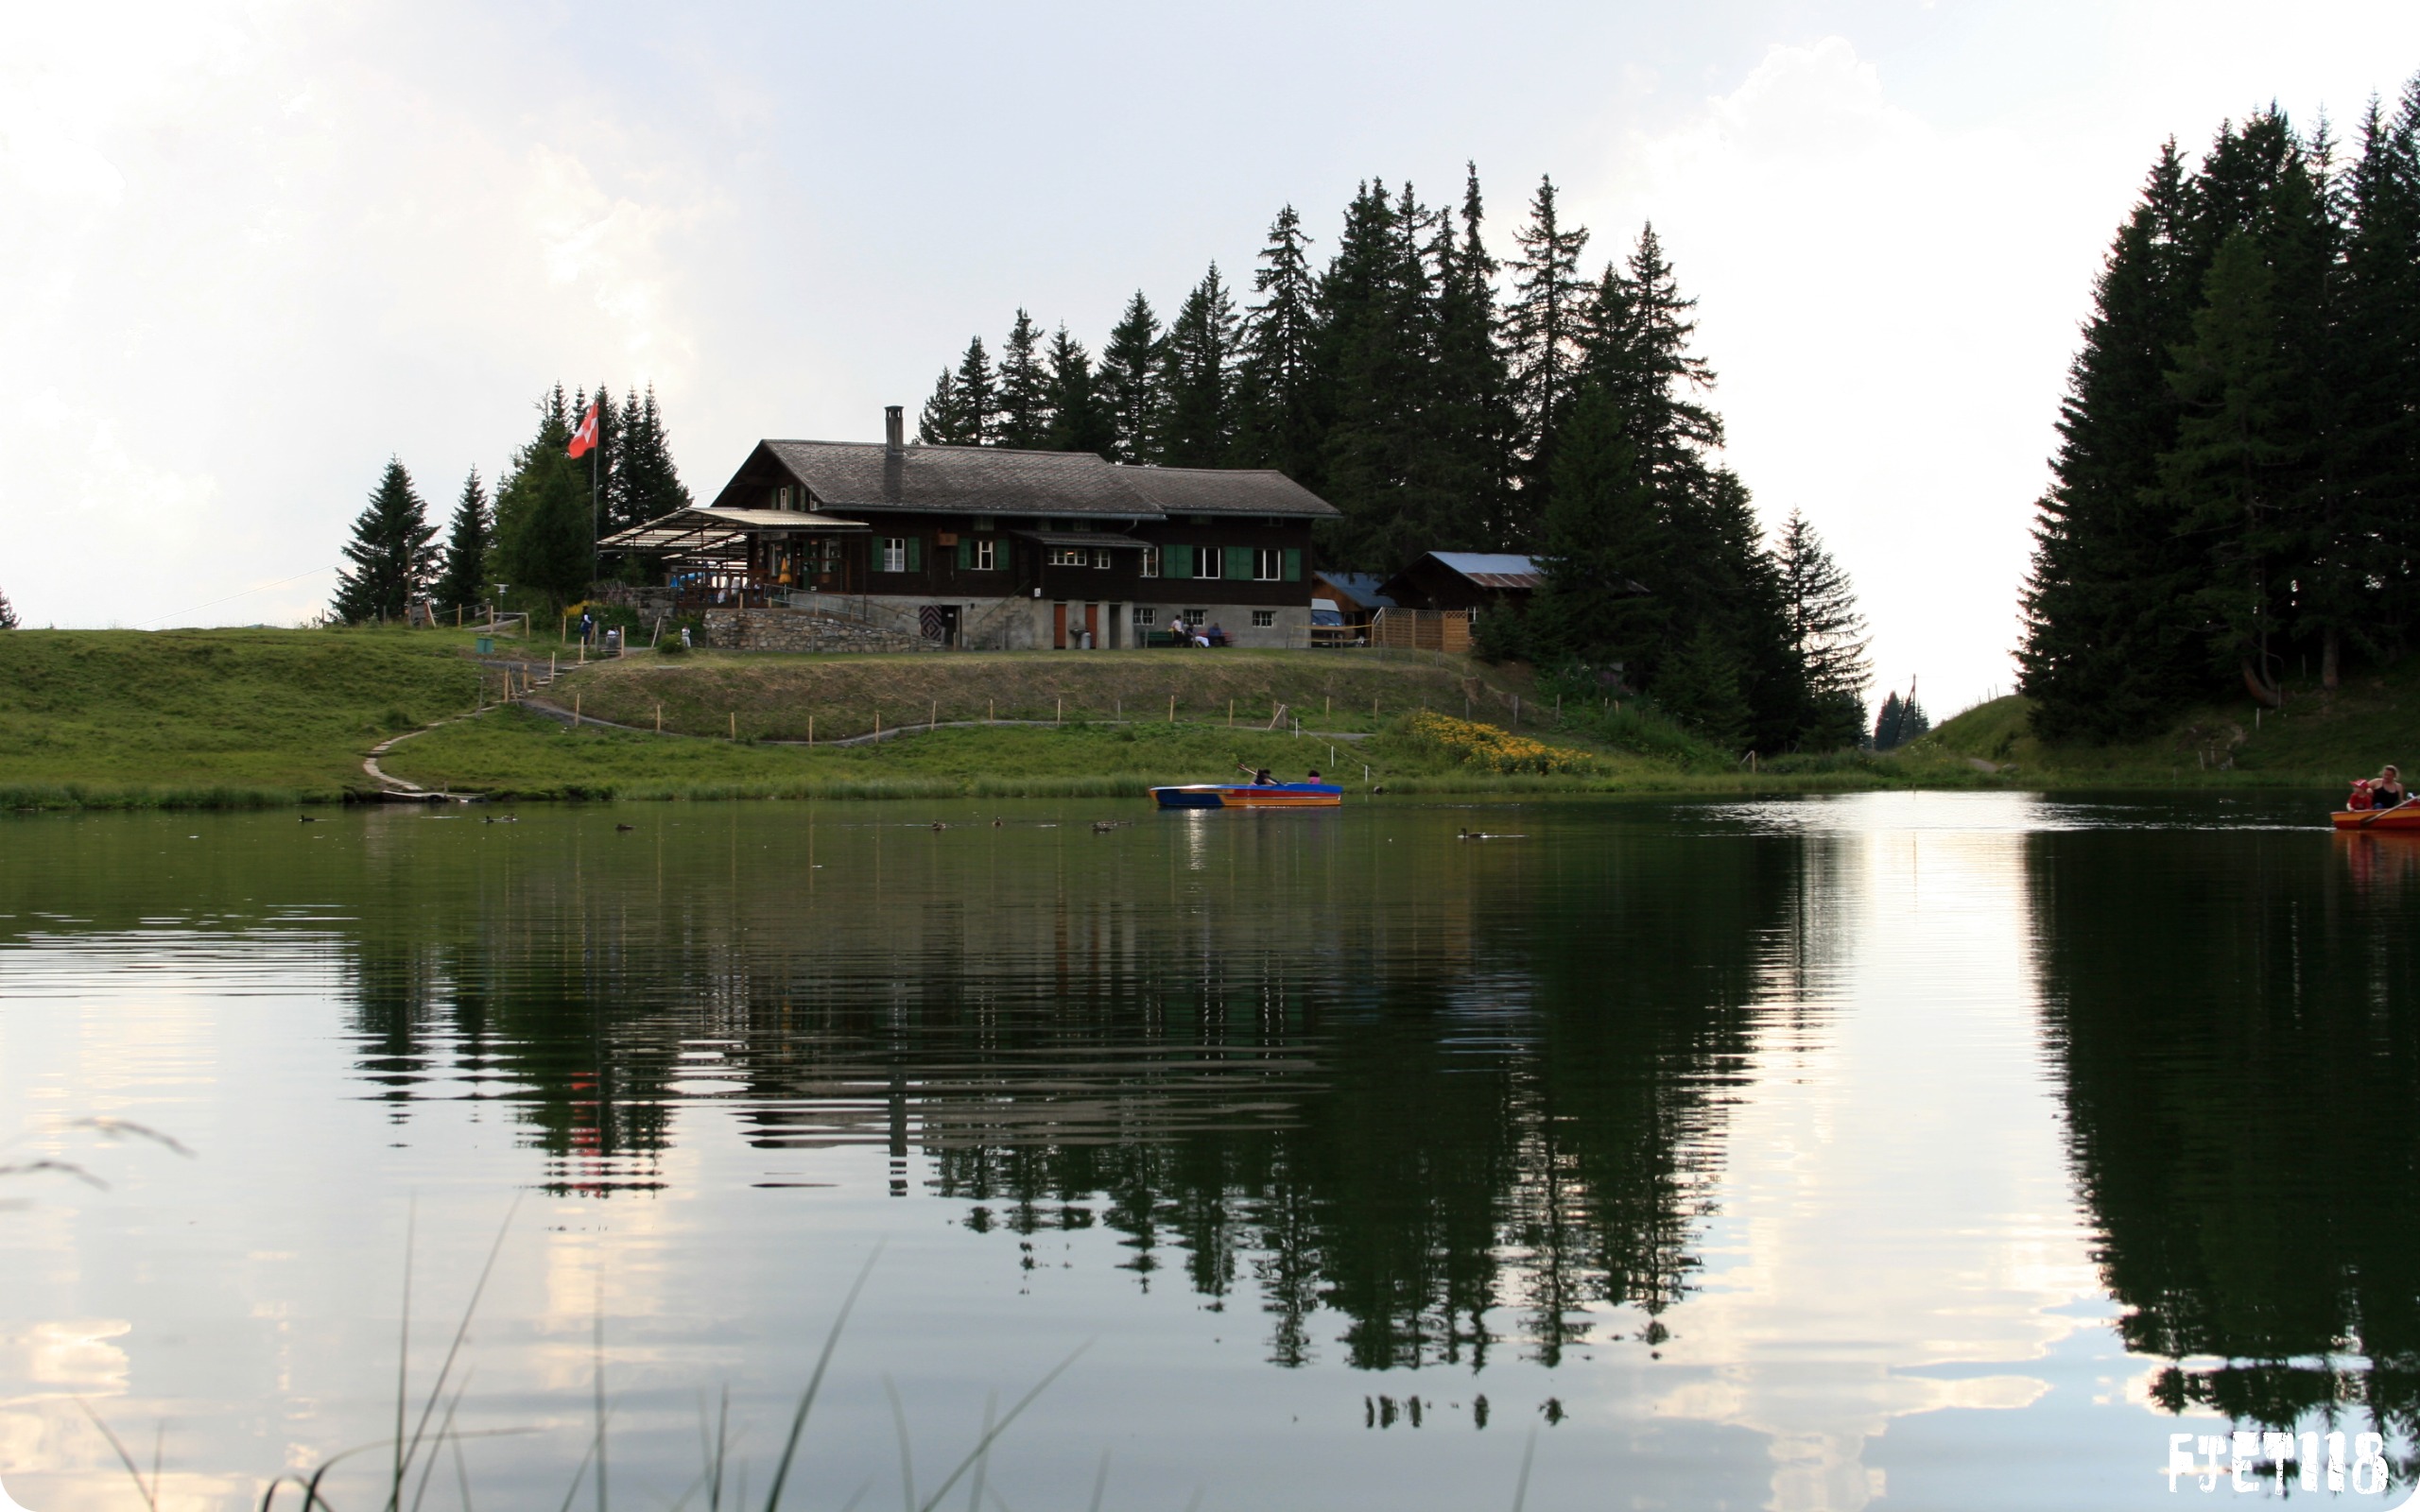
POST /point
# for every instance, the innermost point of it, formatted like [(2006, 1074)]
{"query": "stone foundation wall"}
[(784, 629)]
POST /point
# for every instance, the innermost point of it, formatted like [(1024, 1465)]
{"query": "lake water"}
[(1936, 1150)]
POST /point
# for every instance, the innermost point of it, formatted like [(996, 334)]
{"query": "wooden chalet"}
[(988, 547)]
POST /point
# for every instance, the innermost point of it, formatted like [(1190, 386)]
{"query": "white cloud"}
[(1889, 325)]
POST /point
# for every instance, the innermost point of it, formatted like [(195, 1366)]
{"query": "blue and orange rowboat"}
[(1250, 796)]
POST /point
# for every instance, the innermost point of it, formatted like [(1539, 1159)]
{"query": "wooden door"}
[(1092, 625), (1057, 627)]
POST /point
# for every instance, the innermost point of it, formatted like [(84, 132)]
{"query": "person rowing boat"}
[(2378, 794)]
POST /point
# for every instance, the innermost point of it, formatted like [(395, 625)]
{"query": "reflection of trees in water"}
[(1414, 1095), (2235, 1017)]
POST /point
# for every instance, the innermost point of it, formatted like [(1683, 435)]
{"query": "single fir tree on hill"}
[(1827, 637), (7, 614), (467, 541), (391, 564), (544, 544)]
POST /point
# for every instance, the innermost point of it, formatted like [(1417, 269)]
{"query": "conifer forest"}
[(1444, 399), (2236, 494)]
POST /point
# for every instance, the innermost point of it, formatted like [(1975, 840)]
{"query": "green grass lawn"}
[(516, 752), (214, 716), (772, 697), (219, 717), (2321, 739)]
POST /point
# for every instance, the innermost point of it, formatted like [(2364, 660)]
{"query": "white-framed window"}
[(1100, 558), (1263, 618), (1268, 564), (1146, 616), (894, 554), (1197, 617), (1150, 568), (1069, 557), (987, 555), (1209, 562)]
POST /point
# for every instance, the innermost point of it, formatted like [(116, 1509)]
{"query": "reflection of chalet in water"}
[(982, 546)]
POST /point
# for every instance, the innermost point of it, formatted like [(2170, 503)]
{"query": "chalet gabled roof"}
[(983, 479), (849, 476), (1223, 490)]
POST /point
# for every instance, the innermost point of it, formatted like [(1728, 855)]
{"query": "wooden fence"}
[(1422, 629)]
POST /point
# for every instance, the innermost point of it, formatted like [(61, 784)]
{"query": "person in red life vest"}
[(2359, 801)]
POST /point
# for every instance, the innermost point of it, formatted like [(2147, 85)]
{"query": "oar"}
[(2382, 813)]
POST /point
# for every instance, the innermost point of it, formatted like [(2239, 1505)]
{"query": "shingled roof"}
[(1223, 490), (865, 475)]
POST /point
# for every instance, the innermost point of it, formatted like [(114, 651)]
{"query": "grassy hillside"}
[(2319, 739), (265, 716), (774, 696), (214, 716)]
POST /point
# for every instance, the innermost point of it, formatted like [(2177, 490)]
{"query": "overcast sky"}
[(250, 250)]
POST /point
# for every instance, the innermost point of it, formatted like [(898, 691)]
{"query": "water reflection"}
[(2231, 1020), (1810, 1151), (1459, 1095)]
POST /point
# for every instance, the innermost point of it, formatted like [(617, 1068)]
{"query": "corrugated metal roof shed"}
[(1494, 569)]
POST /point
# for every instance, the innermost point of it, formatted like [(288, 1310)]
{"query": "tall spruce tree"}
[(979, 395), (7, 614), (1388, 461), (1197, 378), (1280, 419), (1543, 327), (1024, 388), (1601, 535), (465, 569), (2376, 371), (2108, 637), (1827, 640), (2230, 476), (650, 483), (1470, 406), (1128, 380), (391, 562), (1080, 421), (943, 420), (543, 542)]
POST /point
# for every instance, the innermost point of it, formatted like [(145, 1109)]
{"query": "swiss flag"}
[(583, 440)]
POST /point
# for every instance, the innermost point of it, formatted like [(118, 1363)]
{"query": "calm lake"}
[(1934, 1150)]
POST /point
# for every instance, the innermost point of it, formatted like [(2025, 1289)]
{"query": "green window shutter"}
[(1240, 564), (915, 554), (965, 553), (1176, 562), (1293, 564)]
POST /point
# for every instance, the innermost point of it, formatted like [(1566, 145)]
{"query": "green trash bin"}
[(486, 645)]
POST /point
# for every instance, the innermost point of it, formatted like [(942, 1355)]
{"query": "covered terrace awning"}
[(705, 534)]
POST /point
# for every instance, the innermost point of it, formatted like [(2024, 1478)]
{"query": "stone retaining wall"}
[(784, 630)]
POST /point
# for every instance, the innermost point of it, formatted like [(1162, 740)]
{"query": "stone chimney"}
[(895, 429)]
